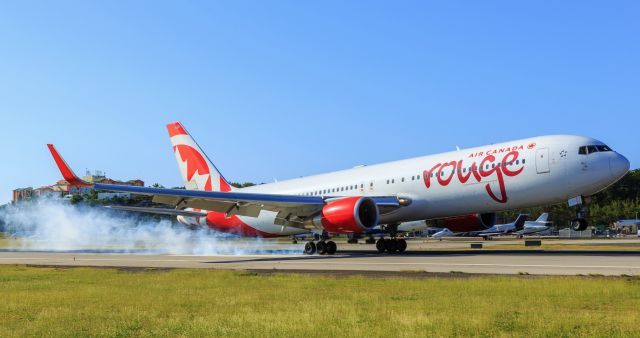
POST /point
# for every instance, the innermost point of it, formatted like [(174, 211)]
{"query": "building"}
[(22, 194), (105, 180), (63, 188), (46, 192), (627, 226)]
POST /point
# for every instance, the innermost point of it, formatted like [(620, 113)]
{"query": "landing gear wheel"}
[(380, 245), (310, 248), (321, 247), (391, 244), (579, 224), (331, 247), (402, 245)]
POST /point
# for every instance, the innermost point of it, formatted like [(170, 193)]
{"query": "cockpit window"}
[(585, 150)]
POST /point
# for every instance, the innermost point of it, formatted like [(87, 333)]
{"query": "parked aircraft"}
[(533, 227), (519, 227), (465, 187), (497, 229)]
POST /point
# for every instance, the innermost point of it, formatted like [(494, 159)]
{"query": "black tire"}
[(331, 247), (391, 244), (310, 248), (321, 247), (579, 224), (380, 245), (402, 245)]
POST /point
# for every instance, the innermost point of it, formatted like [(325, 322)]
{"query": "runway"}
[(534, 263)]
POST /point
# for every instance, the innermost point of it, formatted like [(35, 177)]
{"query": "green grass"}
[(106, 302)]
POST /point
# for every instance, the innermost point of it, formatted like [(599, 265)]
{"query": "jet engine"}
[(473, 222), (348, 215)]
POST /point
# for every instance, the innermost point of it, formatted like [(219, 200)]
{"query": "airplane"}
[(465, 187), (497, 229), (533, 227)]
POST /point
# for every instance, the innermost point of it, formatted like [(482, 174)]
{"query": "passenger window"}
[(387, 181), (393, 181), (523, 161), (403, 179)]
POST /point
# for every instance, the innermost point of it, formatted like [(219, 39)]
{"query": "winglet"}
[(65, 170)]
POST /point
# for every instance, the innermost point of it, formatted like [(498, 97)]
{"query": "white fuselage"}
[(505, 176)]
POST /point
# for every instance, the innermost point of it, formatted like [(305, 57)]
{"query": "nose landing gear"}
[(582, 204)]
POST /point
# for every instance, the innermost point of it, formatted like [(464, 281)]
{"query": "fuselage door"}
[(542, 160)]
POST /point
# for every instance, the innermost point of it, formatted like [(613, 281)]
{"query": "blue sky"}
[(283, 89)]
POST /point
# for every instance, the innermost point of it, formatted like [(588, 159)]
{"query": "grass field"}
[(108, 302)]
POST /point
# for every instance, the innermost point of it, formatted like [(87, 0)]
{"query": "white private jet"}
[(497, 229), (533, 227), (465, 187)]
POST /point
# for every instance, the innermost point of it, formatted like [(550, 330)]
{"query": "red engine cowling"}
[(473, 222), (348, 215)]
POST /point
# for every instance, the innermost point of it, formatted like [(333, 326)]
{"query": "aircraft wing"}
[(159, 211), (289, 207), (292, 210)]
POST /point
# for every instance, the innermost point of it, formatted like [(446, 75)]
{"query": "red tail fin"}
[(65, 170), (198, 172)]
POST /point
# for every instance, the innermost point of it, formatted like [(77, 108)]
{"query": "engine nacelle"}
[(348, 215), (192, 223), (473, 222)]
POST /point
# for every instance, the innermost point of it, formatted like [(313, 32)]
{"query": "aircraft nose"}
[(619, 166)]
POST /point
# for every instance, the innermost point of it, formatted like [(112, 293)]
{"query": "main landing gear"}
[(393, 244), (580, 222), (321, 247)]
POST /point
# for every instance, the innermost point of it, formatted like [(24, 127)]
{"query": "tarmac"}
[(449, 257)]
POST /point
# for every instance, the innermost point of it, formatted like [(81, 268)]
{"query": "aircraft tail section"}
[(543, 217), (65, 169), (519, 222), (197, 171)]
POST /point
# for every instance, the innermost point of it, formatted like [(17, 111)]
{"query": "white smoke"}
[(56, 225)]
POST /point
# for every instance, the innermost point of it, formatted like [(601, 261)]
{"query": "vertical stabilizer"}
[(197, 171)]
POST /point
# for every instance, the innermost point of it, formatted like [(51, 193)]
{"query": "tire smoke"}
[(56, 225)]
